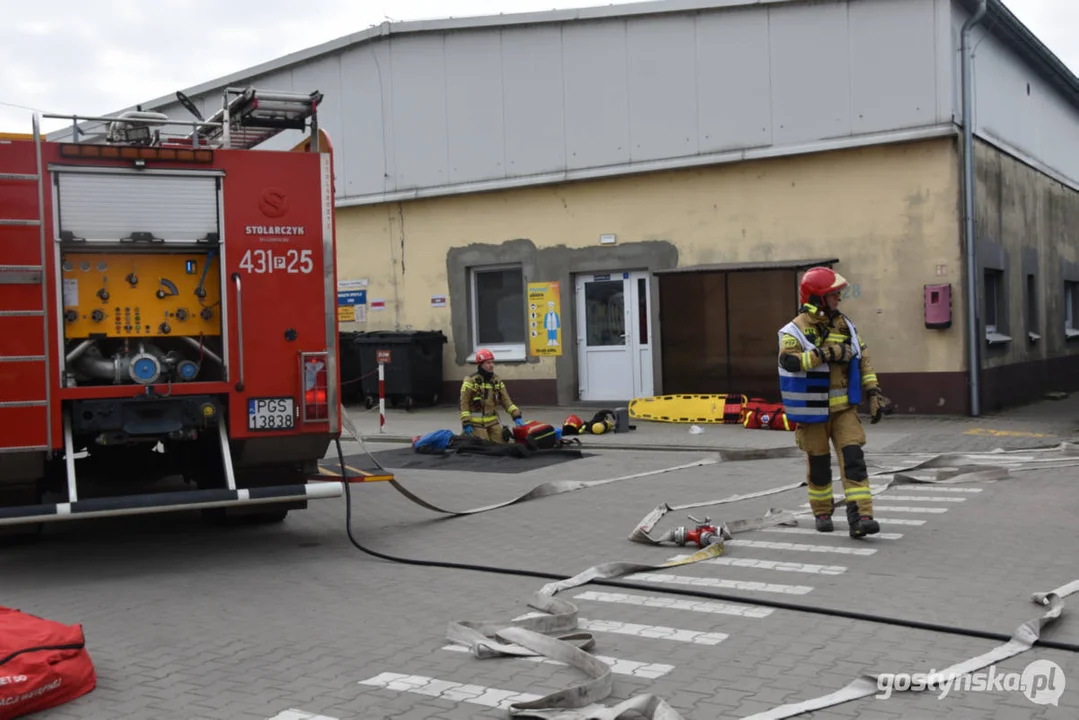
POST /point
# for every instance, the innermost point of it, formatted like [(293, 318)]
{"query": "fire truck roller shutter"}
[(110, 206)]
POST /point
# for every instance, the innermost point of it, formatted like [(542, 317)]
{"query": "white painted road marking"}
[(779, 565), (798, 547), (924, 498), (883, 521), (618, 666), (813, 531), (934, 488), (659, 577), (676, 604), (446, 690), (292, 714), (655, 632), (899, 508)]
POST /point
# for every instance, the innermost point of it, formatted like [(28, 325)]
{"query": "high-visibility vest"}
[(804, 393)]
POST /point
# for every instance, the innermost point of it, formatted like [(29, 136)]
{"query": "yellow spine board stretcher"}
[(715, 409)]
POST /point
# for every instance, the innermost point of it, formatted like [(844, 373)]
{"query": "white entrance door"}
[(614, 336)]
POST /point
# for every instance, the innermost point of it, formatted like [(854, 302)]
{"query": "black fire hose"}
[(795, 607)]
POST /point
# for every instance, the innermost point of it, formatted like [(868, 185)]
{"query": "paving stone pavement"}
[(1047, 422), (291, 622)]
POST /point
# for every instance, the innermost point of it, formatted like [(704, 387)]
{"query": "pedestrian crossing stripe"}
[(503, 698)]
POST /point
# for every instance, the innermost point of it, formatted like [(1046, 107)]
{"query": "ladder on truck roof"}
[(25, 390), (249, 117)]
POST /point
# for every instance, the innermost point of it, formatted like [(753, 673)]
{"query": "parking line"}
[(660, 578), (666, 603), (446, 690), (779, 565), (632, 668)]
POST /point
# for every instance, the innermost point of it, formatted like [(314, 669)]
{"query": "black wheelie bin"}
[(351, 366), (413, 362)]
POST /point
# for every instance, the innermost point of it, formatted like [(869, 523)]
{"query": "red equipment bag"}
[(43, 664), (760, 414), (536, 435)]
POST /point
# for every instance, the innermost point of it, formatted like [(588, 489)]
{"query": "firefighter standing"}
[(481, 395), (823, 368)]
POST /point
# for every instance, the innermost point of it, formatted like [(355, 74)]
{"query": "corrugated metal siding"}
[(1039, 124), (434, 110)]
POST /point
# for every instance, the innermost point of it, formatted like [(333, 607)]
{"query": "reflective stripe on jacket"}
[(481, 399), (805, 393)]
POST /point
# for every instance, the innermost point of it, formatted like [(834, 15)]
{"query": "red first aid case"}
[(43, 664)]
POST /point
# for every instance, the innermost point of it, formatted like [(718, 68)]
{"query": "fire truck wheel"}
[(409, 403), (369, 402)]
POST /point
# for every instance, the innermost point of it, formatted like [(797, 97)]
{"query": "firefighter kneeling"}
[(482, 394), (823, 368)]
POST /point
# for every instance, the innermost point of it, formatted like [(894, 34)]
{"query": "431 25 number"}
[(262, 261)]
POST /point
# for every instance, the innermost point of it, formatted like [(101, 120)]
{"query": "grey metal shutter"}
[(105, 207)]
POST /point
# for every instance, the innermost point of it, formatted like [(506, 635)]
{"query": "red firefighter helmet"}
[(820, 281), (483, 355)]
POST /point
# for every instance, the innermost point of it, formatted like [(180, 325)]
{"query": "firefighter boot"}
[(860, 525), (819, 484)]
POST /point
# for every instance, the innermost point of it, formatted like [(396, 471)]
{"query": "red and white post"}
[(382, 397)]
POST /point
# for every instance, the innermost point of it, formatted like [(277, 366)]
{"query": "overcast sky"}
[(99, 56)]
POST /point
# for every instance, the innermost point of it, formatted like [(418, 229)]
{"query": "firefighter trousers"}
[(844, 431), (493, 433)]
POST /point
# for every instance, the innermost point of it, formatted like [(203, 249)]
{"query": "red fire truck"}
[(167, 311)]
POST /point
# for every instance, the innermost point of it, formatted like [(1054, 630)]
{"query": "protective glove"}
[(879, 406), (468, 429), (518, 421), (834, 352)]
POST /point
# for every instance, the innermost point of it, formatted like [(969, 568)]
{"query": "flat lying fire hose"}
[(532, 635), (547, 489), (553, 633), (1023, 639)]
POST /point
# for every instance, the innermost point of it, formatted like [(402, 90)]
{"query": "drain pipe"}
[(973, 344)]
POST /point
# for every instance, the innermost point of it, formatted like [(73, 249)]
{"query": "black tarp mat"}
[(406, 458)]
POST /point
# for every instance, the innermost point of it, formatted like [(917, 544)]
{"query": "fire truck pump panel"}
[(142, 318)]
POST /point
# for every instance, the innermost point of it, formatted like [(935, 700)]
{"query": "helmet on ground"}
[(483, 355), (818, 282)]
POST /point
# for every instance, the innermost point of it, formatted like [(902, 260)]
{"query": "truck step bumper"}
[(166, 502)]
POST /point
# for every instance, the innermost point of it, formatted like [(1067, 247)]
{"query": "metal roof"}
[(999, 21), (408, 27), (747, 266)]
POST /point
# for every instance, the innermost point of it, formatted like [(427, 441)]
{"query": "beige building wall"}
[(889, 213)]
